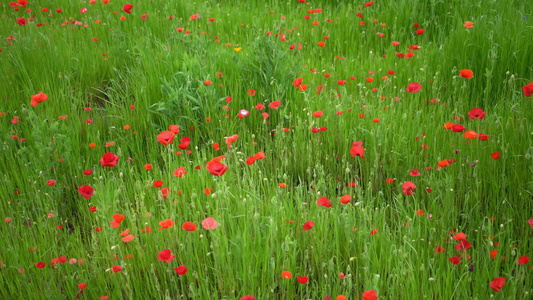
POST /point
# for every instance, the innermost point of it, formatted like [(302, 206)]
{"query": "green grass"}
[(161, 71)]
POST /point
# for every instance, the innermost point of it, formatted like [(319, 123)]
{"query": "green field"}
[(277, 150)]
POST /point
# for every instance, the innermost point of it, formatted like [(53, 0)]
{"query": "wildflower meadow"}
[(246, 149)]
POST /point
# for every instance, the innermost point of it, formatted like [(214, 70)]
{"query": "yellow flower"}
[(238, 49)]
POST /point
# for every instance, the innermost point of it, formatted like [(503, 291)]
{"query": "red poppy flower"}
[(495, 155), (116, 269), (414, 172), (443, 163), (249, 297), (181, 270), (297, 82), (40, 265), (346, 199), (370, 295), (86, 191), (109, 160), (477, 113), (302, 279), (497, 283), (483, 136), (302, 87), (458, 128), (174, 128), (164, 192), (179, 172), (413, 87), (215, 167), (166, 137), (308, 225), (117, 218), (274, 104), (250, 160), (165, 256), (469, 24), (528, 89), (148, 229), (463, 246), (468, 74), (216, 146), (357, 149), (470, 134), (318, 114), (168, 223), (128, 238), (286, 274), (460, 236), (260, 155), (323, 201), (522, 260), (367, 5), (184, 143), (420, 31), (127, 8), (408, 188), (21, 21), (455, 260), (189, 226), (231, 139), (38, 98), (439, 249), (389, 180), (373, 232)]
